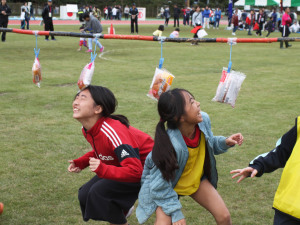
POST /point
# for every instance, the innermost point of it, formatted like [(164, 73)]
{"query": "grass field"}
[(38, 134)]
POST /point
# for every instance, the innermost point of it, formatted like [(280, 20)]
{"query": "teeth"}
[(75, 110)]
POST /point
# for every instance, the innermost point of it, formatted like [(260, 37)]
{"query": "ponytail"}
[(163, 153), (170, 106)]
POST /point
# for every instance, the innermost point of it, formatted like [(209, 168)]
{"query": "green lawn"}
[(38, 134)]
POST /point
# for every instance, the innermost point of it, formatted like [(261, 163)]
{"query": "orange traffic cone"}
[(112, 29), (1, 208)]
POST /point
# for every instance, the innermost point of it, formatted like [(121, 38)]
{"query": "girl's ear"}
[(98, 109)]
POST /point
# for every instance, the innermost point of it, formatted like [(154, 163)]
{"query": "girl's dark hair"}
[(170, 106), (105, 98), (161, 27)]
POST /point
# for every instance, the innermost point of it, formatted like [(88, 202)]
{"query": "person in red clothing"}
[(117, 158), (235, 19), (284, 27)]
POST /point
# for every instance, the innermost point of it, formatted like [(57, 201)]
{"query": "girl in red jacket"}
[(117, 159)]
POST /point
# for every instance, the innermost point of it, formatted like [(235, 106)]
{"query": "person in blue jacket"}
[(205, 15), (182, 162), (218, 14)]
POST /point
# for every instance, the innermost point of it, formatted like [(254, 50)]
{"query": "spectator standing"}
[(274, 18), (22, 18), (251, 21), (269, 26), (31, 12), (284, 27), (191, 14), (120, 12), (235, 21), (176, 15), (134, 18), (27, 14), (167, 15), (244, 17), (126, 12), (109, 12), (260, 20), (105, 11), (184, 15), (47, 17), (187, 15), (114, 13), (218, 14), (206, 14)]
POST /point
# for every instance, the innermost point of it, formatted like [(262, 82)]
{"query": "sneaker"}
[(53, 39), (46, 39), (89, 50), (130, 211), (233, 34), (102, 49)]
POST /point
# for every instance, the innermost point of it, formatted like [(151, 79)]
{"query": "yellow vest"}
[(190, 178), (287, 197)]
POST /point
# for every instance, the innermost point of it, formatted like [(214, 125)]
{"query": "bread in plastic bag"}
[(161, 82), (229, 87), (36, 72), (86, 76)]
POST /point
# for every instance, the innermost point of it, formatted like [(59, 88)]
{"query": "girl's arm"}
[(83, 161)]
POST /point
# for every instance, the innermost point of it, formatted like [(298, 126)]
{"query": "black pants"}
[(167, 21), (284, 219), (3, 23), (107, 200), (49, 27), (176, 18), (134, 21), (126, 16), (27, 22), (285, 32)]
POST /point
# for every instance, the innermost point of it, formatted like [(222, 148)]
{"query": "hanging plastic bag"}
[(86, 75), (162, 81), (201, 33), (36, 72), (229, 87)]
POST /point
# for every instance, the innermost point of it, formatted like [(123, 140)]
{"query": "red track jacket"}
[(122, 150)]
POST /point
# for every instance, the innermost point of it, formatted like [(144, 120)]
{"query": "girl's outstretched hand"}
[(94, 163), (235, 139), (180, 222), (72, 168), (244, 173)]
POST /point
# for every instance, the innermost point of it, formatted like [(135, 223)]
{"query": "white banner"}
[(68, 12), (142, 13)]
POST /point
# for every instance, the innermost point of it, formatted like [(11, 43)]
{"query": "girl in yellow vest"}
[(287, 155)]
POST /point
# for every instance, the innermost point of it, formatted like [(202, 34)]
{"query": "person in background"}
[(5, 12), (27, 14), (269, 26), (285, 24), (274, 18), (32, 12), (134, 14), (191, 14), (94, 26), (205, 15), (159, 31), (176, 15), (251, 21), (47, 15), (235, 21), (167, 15), (286, 155), (260, 20), (82, 41), (126, 12), (175, 33), (218, 15), (22, 18)]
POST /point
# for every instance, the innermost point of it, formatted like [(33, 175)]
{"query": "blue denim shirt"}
[(156, 191)]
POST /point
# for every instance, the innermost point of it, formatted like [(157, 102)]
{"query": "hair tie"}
[(161, 120)]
